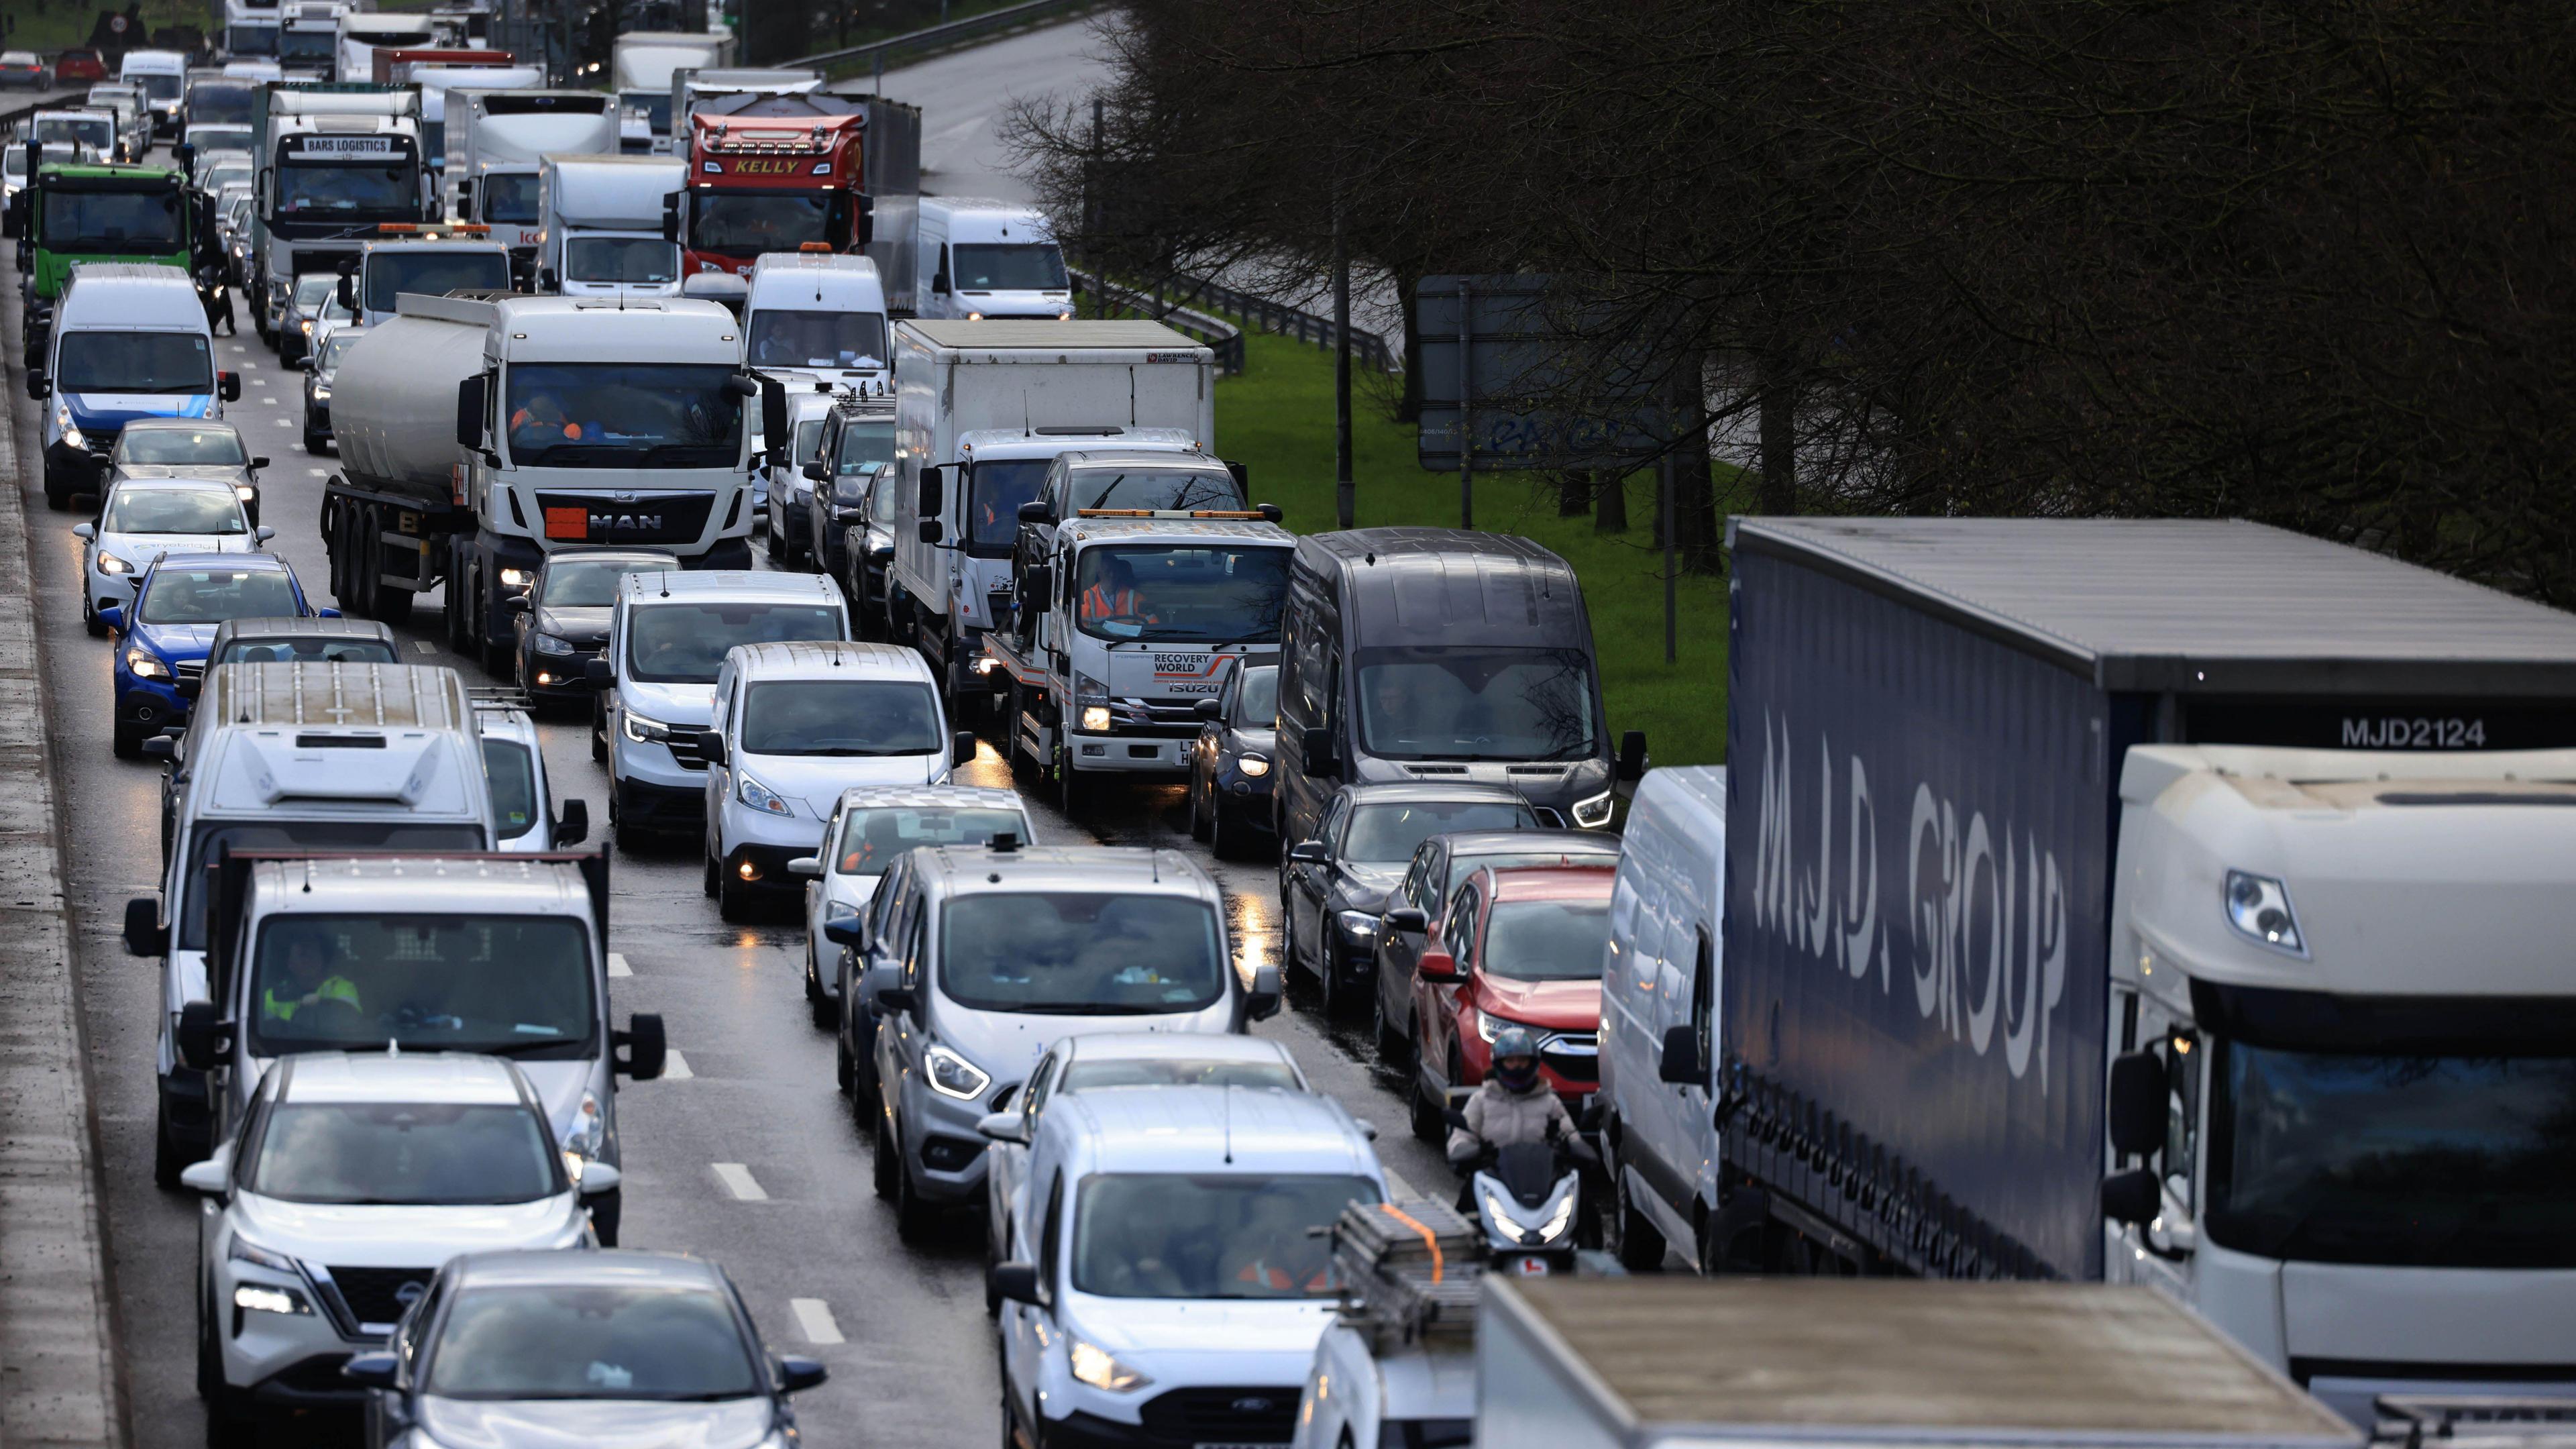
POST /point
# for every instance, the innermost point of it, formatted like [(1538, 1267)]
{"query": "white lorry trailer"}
[(494, 142), (478, 434), (335, 164), (981, 410), (361, 33), (640, 72), (600, 225)]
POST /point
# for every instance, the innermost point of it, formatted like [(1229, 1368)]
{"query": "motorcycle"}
[(1528, 1197)]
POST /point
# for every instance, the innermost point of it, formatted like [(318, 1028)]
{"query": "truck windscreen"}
[(112, 221), (619, 415), (1204, 593), (391, 272), (998, 486), (245, 41), (757, 221), (1445, 702), (510, 196), (782, 337), (171, 362), (306, 45), (624, 259), (511, 985), (1007, 267), (347, 189)]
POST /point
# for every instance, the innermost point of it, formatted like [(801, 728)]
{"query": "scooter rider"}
[(1513, 1105)]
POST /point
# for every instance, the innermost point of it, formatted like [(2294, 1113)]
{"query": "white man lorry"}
[(494, 142), (2179, 903), (478, 434), (600, 225), (981, 411)]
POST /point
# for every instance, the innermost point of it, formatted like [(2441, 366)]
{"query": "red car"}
[(78, 65), (1519, 947)]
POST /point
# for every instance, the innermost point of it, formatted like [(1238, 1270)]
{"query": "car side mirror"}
[(1208, 709), (1004, 1127), (262, 534), (2133, 1197), (1036, 510), (899, 1000), (1632, 755), (228, 386), (1682, 1064), (371, 1370), (818, 471), (572, 827), (519, 604), (598, 671), (160, 747), (1262, 1002), (84, 531), (808, 866), (599, 1177), (204, 1041), (213, 1177), (1407, 918), (1435, 964), (258, 463), (844, 926), (1310, 852), (711, 746), (113, 616), (1018, 1282), (797, 1373), (1316, 744), (144, 933), (306, 363), (645, 1045), (2138, 1104)]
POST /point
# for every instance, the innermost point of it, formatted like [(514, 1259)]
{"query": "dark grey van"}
[(1441, 654)]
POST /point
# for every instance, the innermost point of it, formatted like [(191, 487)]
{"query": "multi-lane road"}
[(750, 1090)]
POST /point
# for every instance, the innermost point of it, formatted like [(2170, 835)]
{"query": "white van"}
[(983, 259), (1659, 983), (162, 76), (129, 340), (817, 317)]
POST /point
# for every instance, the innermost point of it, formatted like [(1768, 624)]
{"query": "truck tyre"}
[(1640, 1248), (1072, 792), (388, 602)]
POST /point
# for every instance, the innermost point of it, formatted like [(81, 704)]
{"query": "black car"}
[(1333, 886), (1230, 763), (579, 1348), (561, 622), (1416, 907), (856, 459), (321, 367)]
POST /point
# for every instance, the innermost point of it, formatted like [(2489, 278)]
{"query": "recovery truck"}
[(2169, 902), (335, 163), (432, 261), (77, 212), (780, 173), (479, 432)]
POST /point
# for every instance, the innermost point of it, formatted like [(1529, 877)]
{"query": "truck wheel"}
[(169, 1159), (1072, 792), (1641, 1246), (58, 490), (388, 602), (360, 526)]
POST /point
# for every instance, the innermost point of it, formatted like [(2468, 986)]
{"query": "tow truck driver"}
[(1113, 595)]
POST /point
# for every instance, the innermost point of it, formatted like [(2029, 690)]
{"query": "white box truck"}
[(600, 225), (640, 71), (494, 141), (981, 410)]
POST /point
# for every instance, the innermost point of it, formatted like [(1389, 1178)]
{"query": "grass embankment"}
[(1277, 419)]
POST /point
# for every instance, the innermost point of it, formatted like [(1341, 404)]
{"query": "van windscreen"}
[(1442, 702), (1080, 953), (301, 835), (685, 643), (510, 985)]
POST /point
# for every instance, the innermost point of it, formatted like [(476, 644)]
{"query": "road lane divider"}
[(738, 1180)]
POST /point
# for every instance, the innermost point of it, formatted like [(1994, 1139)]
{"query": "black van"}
[(1440, 654)]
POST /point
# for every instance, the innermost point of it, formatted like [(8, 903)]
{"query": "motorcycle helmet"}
[(1516, 1058)]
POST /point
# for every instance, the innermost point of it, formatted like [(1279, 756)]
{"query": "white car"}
[(869, 828), (351, 1180), (791, 726), (143, 519), (523, 798), (1169, 1267)]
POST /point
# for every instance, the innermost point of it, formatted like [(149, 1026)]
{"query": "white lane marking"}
[(1397, 1187), (317, 472), (283, 423), (738, 1181), (616, 959), (814, 1316), (425, 647), (675, 1067)]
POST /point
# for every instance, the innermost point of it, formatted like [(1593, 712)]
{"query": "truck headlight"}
[(109, 563), (144, 664), (71, 432), (760, 797), (1095, 719), (549, 644), (1594, 813), (2259, 906), (953, 1076), (517, 578), (1098, 1367), (1252, 767)]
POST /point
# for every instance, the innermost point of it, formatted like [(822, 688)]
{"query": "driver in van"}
[(310, 980)]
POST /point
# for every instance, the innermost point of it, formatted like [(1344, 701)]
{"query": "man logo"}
[(410, 1293), (625, 523)]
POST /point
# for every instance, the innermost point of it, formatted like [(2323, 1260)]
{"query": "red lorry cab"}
[(773, 173)]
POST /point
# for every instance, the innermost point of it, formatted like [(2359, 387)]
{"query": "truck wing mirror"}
[(961, 747), (644, 1044), (1041, 582), (939, 284), (773, 418), (1632, 755), (1316, 744), (572, 827), (144, 933), (1242, 478), (1037, 510), (2137, 1104), (671, 217), (348, 292), (928, 497), (2133, 1196), (929, 530), (203, 1039), (1683, 1065), (469, 412)]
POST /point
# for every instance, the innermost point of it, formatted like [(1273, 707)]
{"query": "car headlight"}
[(245, 492), (1490, 1026), (144, 664), (1362, 924), (63, 420), (307, 325), (109, 563), (953, 1076), (2259, 906), (1096, 1366), (1253, 767), (549, 644), (1594, 813), (261, 1298), (321, 392), (1095, 719), (760, 797), (646, 731), (244, 1250), (517, 578)]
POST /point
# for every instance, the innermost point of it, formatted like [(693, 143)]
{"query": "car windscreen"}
[(180, 445), (391, 271), (1257, 704), (174, 510), (865, 446), (513, 773), (114, 221), (684, 643), (1000, 486), (307, 649), (1007, 267), (510, 196), (312, 287), (1091, 1076), (346, 189), (753, 222), (786, 337), (418, 1154), (212, 595), (1080, 953), (320, 835), (1215, 1235), (623, 415), (873, 835), (620, 259), (576, 583), (1546, 940), (1385, 834), (1447, 702), (1198, 593), (509, 985), (1165, 489), (333, 351), (608, 1340), (854, 718)]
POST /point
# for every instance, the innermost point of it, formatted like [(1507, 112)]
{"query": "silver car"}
[(871, 827), (191, 448)]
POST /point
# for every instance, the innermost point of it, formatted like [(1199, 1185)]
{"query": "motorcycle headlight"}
[(549, 644), (1499, 1214), (1096, 1366), (144, 664), (1363, 925), (646, 731), (1594, 813), (1559, 1220), (1253, 766), (109, 563), (244, 1250), (953, 1076), (760, 797)]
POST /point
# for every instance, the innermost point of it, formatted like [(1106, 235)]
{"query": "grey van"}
[(1441, 654)]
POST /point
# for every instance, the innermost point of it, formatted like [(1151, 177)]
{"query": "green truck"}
[(90, 212)]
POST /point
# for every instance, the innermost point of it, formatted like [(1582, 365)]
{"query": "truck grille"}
[(1149, 719), (643, 518), (374, 1295), (1230, 1416)]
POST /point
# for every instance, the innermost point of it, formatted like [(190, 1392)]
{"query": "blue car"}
[(161, 638)]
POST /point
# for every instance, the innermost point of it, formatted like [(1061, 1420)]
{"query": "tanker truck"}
[(480, 431)]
